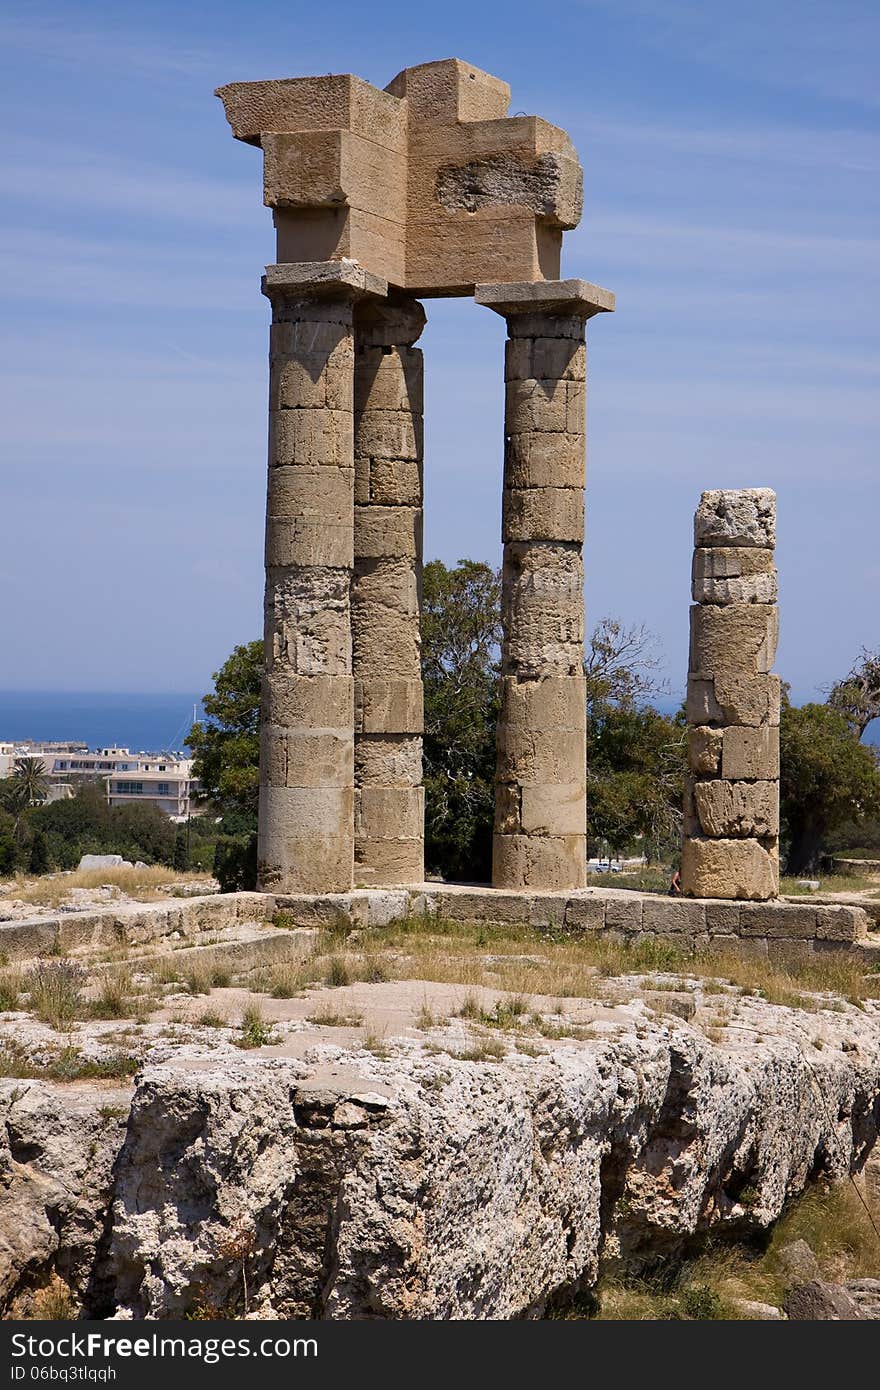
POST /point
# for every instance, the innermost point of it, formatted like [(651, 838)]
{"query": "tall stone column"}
[(540, 792), (306, 816), (730, 845), (386, 593)]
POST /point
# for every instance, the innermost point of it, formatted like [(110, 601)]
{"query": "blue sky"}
[(731, 160)]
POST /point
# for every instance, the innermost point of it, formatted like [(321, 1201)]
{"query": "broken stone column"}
[(540, 792), (730, 845), (386, 594), (306, 816)]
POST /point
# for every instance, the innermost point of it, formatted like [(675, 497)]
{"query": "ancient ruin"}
[(427, 188), (731, 816)]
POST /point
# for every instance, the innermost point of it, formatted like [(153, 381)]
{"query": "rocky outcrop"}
[(421, 1184)]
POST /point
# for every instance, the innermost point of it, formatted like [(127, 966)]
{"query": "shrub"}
[(235, 864)]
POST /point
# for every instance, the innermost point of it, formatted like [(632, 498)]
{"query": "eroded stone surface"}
[(349, 1180)]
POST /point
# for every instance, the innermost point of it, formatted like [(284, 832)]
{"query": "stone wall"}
[(777, 929)]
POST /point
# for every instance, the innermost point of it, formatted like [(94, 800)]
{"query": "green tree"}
[(461, 632), (226, 745), (857, 697), (635, 754), (40, 859), (827, 778), (8, 844)]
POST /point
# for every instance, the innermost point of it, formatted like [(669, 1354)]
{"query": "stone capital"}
[(569, 298), (342, 279), (397, 321)]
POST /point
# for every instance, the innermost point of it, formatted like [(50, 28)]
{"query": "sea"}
[(149, 723)]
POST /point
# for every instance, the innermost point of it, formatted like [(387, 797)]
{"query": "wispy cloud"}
[(825, 47), (55, 39), (95, 179), (851, 151), (96, 274)]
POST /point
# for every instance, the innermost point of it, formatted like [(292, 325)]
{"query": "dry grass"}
[(49, 890), (326, 1018), (829, 1217), (54, 1303), (829, 883), (523, 963)]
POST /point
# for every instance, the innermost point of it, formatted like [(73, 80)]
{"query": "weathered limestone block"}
[(388, 706), (740, 517), (750, 754), (307, 701), (729, 699), (543, 609), (546, 460), (740, 638), (737, 809), (388, 532), (540, 756), (729, 869), (538, 861), (543, 514), (307, 757), (548, 704), (308, 627), (387, 482), (741, 575), (389, 760), (557, 809), (306, 836), (537, 404), (429, 183), (311, 437), (704, 750), (545, 359)]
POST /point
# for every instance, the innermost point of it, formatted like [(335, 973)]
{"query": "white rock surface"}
[(420, 1184)]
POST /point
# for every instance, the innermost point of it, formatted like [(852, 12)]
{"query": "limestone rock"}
[(422, 1185), (704, 750), (727, 575), (729, 869), (817, 1301), (797, 1263), (740, 517), (737, 809)]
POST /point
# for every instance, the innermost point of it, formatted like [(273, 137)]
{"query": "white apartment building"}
[(165, 779)]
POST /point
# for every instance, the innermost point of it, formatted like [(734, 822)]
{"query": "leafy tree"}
[(827, 778), (461, 632), (621, 665), (8, 846), (235, 863), (226, 745), (857, 697), (635, 754)]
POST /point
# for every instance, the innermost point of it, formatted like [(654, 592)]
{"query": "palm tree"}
[(29, 777)]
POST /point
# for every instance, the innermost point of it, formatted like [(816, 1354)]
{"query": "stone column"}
[(540, 793), (306, 818), (730, 843), (386, 594)]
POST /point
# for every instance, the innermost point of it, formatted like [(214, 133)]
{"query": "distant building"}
[(164, 779)]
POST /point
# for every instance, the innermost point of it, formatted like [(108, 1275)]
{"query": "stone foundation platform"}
[(779, 930)]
